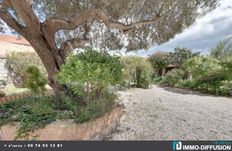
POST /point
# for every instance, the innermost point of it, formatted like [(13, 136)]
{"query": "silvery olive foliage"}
[(56, 27)]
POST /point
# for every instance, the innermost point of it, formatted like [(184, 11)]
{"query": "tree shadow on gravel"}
[(185, 91)]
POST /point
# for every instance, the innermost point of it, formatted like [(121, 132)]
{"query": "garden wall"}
[(21, 96), (98, 129)]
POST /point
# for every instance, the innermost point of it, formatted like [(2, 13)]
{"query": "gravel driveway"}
[(163, 114)]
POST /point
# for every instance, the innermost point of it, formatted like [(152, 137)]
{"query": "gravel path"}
[(161, 114)]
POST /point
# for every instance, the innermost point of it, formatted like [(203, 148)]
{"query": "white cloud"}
[(205, 33)]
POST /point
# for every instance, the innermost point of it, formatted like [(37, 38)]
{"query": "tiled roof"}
[(14, 39)]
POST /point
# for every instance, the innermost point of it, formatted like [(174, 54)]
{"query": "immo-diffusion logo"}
[(176, 145), (200, 146)]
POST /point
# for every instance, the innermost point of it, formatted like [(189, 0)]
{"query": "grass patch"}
[(37, 112)]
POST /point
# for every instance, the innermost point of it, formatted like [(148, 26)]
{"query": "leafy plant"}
[(213, 84), (225, 90), (31, 112), (137, 70), (223, 49), (88, 73), (65, 101), (142, 81), (201, 66), (191, 84), (180, 56), (37, 112), (35, 81), (159, 60), (173, 77), (96, 108), (18, 62), (226, 67), (157, 79), (42, 107), (31, 122)]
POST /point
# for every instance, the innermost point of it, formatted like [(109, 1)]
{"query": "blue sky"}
[(204, 34)]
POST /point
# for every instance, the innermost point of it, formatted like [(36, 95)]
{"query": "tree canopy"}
[(54, 27), (109, 24), (159, 59), (180, 55)]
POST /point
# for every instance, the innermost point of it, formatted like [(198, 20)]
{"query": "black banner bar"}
[(115, 145)]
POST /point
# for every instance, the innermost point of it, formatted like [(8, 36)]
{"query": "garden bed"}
[(68, 130), (25, 117)]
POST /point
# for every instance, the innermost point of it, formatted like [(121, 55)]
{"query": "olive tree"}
[(55, 27), (180, 55)]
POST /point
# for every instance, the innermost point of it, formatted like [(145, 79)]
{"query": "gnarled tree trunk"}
[(51, 60)]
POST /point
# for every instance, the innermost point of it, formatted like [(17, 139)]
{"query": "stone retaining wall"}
[(98, 129)]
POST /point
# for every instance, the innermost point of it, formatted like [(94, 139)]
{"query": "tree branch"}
[(58, 24), (24, 10), (13, 23), (53, 25), (72, 44)]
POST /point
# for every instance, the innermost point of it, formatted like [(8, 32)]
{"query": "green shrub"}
[(42, 107), (90, 72), (156, 79), (214, 77), (96, 109), (226, 67), (137, 70), (222, 88), (215, 86), (35, 81), (37, 112), (142, 81), (173, 77), (226, 87), (201, 66), (186, 84), (223, 49), (214, 89), (65, 101), (211, 83), (209, 75), (181, 55), (159, 60), (18, 62)]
